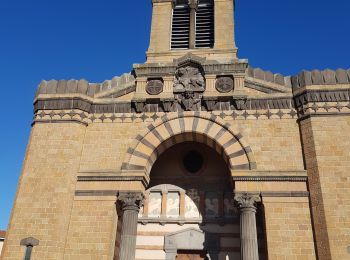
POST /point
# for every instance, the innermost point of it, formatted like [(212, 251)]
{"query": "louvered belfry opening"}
[(205, 24), (180, 37), (202, 32)]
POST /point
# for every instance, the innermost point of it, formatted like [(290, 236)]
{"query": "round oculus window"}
[(193, 161)]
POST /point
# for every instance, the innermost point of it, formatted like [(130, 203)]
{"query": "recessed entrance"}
[(189, 212)]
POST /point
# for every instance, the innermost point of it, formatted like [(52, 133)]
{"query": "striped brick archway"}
[(189, 126)]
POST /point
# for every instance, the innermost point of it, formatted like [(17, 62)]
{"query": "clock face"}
[(224, 84)]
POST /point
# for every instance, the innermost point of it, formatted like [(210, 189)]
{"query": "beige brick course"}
[(288, 229)]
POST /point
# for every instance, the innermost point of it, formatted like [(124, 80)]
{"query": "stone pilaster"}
[(249, 240), (130, 203)]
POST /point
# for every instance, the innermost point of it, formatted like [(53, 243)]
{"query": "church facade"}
[(192, 155)]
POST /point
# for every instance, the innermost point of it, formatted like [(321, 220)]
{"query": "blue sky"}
[(96, 40)]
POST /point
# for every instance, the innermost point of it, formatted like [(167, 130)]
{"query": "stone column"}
[(249, 240), (193, 4), (130, 203)]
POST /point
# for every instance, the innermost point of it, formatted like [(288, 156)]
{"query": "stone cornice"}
[(279, 194), (270, 178), (265, 87), (267, 77), (323, 102), (209, 67), (113, 176), (160, 105), (114, 193), (84, 103), (183, 221), (79, 101)]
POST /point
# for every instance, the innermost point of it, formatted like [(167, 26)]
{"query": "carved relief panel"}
[(189, 85), (196, 206)]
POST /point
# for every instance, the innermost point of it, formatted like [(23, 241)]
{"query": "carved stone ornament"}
[(154, 87), (224, 84), (188, 78), (240, 102), (247, 200), (130, 200), (189, 86)]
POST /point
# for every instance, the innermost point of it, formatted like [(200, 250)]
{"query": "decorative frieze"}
[(61, 116), (323, 103), (226, 103)]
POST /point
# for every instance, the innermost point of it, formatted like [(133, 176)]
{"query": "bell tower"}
[(202, 27)]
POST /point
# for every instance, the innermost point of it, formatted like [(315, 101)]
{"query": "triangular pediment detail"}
[(189, 59)]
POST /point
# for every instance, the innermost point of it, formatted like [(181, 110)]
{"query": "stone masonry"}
[(85, 181)]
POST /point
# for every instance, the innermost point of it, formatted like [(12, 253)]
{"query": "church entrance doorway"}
[(189, 205)]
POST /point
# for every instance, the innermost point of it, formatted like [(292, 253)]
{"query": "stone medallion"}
[(224, 84), (154, 87)]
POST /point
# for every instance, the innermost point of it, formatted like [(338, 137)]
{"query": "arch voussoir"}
[(207, 129)]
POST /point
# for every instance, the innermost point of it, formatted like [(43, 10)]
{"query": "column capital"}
[(130, 200), (247, 200)]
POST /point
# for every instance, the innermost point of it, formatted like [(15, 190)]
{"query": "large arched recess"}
[(188, 126)]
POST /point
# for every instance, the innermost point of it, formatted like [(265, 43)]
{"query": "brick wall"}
[(326, 145), (288, 229), (92, 230), (45, 194)]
